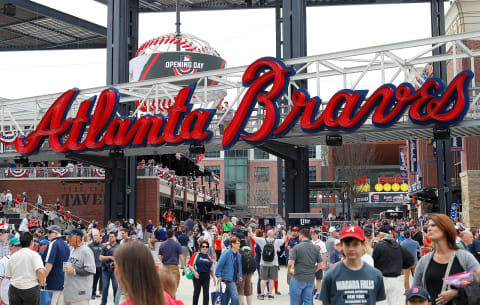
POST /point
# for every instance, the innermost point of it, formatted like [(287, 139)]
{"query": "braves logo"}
[(351, 229)]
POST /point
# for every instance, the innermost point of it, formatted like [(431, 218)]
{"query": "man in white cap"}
[(330, 243)]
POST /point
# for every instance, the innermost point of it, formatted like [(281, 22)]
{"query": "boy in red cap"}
[(351, 281)]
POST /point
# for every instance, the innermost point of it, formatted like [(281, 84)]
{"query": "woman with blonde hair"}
[(136, 273)]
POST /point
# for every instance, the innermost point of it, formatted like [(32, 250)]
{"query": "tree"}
[(350, 162)]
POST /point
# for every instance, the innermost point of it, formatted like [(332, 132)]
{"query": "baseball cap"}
[(332, 229), (336, 242), (14, 242), (352, 231), (316, 231), (368, 231), (384, 229), (418, 292), (295, 228), (406, 234), (55, 228), (44, 242), (77, 232)]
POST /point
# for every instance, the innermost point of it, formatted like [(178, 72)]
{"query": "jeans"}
[(97, 276), (231, 292), (301, 292), (106, 276), (259, 289)]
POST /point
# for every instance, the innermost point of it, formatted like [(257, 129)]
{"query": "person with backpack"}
[(201, 263), (249, 266), (269, 260)]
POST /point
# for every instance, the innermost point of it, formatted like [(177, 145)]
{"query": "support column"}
[(296, 175), (444, 174), (438, 29), (122, 43)]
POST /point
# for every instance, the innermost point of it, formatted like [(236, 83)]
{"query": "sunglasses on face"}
[(50, 232), (205, 247)]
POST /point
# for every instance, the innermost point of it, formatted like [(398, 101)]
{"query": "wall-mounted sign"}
[(415, 187), (403, 162), (267, 80), (412, 156), (393, 183), (388, 197)]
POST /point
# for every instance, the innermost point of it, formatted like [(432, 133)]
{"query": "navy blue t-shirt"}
[(189, 224), (170, 250), (149, 228), (58, 252), (235, 265), (160, 234), (183, 239), (292, 242), (203, 263), (335, 257), (108, 250)]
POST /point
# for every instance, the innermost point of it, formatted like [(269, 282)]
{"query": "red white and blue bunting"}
[(61, 172), (100, 172), (18, 173), (8, 137)]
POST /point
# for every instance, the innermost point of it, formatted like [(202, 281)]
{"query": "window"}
[(236, 153), (262, 198), (261, 174), (312, 173), (312, 152), (235, 175), (259, 154), (212, 154), (214, 169)]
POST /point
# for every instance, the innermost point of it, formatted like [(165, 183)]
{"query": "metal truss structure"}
[(27, 25), (149, 6), (365, 68)]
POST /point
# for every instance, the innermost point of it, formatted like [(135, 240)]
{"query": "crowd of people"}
[(359, 263)]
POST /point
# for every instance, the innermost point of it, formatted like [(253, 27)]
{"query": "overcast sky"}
[(240, 36)]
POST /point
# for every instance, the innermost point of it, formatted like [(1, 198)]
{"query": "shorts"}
[(245, 286), (319, 275), (268, 273)]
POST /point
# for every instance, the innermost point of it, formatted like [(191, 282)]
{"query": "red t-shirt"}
[(168, 300), (169, 218), (218, 244)]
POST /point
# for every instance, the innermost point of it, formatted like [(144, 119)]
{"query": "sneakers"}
[(93, 297), (270, 297), (261, 297), (278, 293)]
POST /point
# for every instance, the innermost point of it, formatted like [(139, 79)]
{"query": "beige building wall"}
[(470, 180)]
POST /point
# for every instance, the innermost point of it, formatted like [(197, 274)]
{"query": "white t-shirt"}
[(321, 246), (23, 226), (367, 258), (139, 231), (5, 281), (206, 236), (22, 268)]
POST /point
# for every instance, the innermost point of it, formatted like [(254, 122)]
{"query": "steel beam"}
[(122, 43), (444, 176)]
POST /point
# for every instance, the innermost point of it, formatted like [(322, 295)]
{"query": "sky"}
[(240, 36)]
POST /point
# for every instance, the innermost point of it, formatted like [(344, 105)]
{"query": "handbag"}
[(219, 297), (45, 297), (189, 274)]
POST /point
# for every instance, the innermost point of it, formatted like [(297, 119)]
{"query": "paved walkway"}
[(185, 290)]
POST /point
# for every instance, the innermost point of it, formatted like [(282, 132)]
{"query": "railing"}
[(51, 172), (365, 68)]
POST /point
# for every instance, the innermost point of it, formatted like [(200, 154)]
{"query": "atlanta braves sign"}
[(267, 80)]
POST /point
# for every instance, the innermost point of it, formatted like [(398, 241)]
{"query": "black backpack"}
[(268, 252), (248, 262)]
